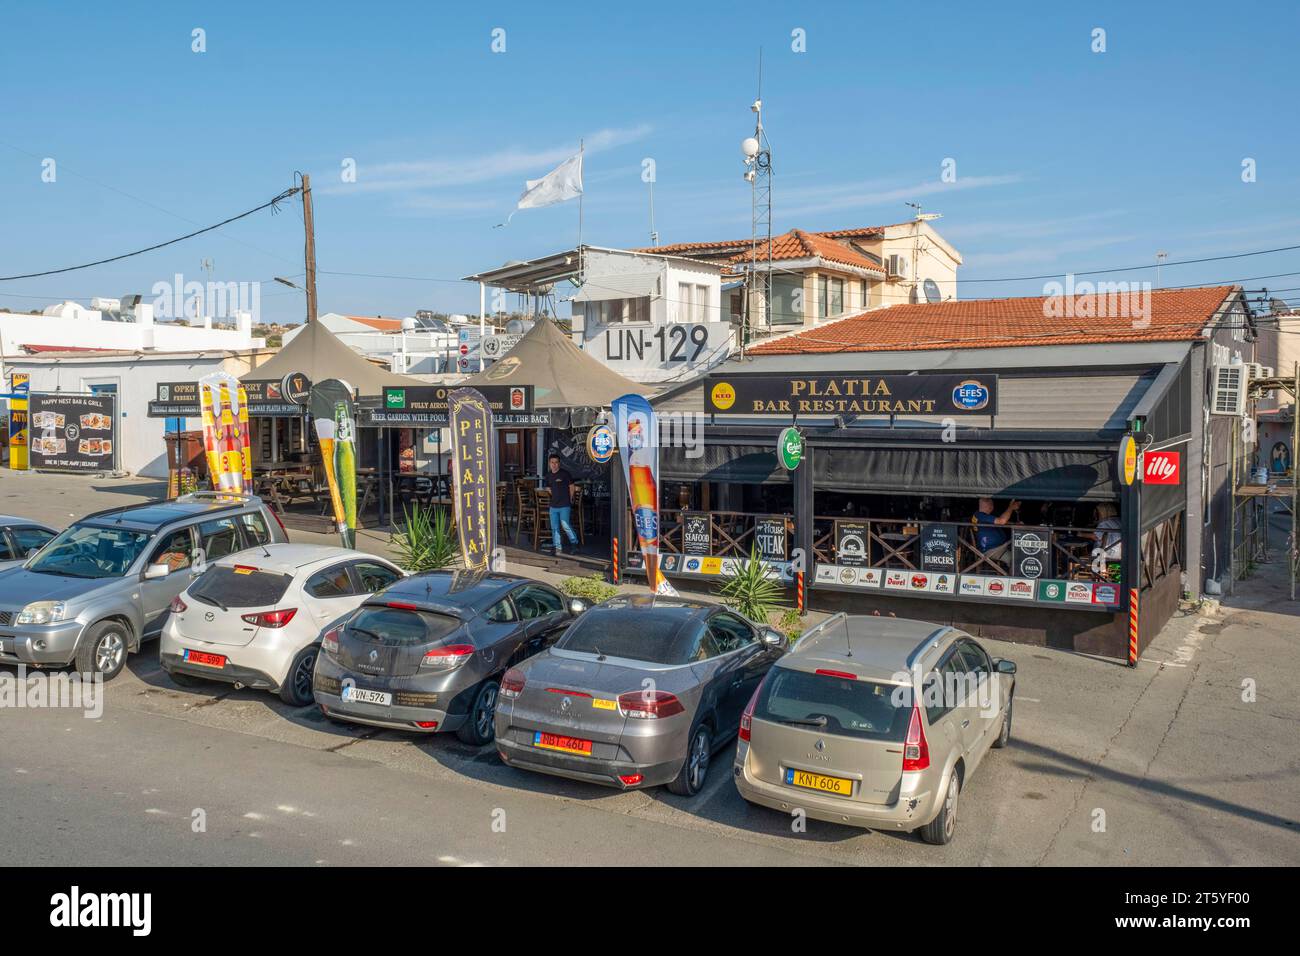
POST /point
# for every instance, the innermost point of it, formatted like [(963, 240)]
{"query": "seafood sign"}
[(223, 406), (638, 442), (475, 495), (334, 415)]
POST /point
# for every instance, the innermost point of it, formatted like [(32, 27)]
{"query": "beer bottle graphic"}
[(345, 469)]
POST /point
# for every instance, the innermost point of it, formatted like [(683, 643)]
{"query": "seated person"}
[(989, 535), (1108, 534)]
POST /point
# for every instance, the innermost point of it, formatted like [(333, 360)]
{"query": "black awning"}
[(740, 463)]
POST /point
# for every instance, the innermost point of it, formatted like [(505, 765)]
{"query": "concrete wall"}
[(86, 329)]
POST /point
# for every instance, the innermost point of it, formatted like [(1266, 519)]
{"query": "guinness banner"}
[(475, 487), (851, 394)]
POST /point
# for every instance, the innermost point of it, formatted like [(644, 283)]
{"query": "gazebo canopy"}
[(319, 354), (562, 375)]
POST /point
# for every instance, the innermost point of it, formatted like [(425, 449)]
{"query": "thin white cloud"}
[(1043, 253), (850, 196)]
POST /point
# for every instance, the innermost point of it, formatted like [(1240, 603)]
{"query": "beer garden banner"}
[(475, 488), (223, 405), (638, 442), (334, 417)]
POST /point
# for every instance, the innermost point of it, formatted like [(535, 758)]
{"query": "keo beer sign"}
[(1162, 468)]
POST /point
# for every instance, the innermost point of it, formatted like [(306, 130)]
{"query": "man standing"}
[(560, 484)]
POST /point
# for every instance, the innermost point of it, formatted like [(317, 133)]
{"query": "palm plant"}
[(752, 591), (426, 541)]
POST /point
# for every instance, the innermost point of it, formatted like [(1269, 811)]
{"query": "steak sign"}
[(1162, 468)]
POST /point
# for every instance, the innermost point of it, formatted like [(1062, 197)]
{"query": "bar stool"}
[(526, 520)]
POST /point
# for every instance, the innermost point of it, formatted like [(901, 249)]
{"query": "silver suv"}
[(875, 722), (104, 585)]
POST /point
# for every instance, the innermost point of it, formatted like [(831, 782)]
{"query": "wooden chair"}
[(503, 513), (542, 525), (579, 521), (526, 519)]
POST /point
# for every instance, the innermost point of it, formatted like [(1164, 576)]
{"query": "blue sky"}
[(1066, 159)]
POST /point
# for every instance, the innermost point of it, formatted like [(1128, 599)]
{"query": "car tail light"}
[(916, 752), (646, 705), (447, 658), (427, 724), (271, 618), (845, 675), (747, 718), (279, 522), (329, 643), (402, 605), (630, 779), (512, 684), (178, 606)]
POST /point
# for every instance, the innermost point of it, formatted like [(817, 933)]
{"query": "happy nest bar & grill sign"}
[(851, 394)]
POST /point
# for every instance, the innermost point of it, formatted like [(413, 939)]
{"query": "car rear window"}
[(400, 627), (240, 586), (653, 636), (851, 708)]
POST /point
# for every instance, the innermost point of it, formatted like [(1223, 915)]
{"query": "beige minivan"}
[(875, 722)]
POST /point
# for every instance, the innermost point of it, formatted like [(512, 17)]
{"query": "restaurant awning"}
[(319, 354)]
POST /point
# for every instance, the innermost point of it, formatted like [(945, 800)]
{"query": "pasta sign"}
[(471, 445)]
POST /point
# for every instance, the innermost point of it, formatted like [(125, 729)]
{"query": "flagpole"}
[(580, 195)]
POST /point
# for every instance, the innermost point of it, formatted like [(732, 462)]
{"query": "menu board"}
[(1031, 553), (851, 543), (769, 536), (939, 547), (73, 431), (697, 533)]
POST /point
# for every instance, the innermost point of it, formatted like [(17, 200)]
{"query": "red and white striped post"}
[(799, 593), (1132, 627), (615, 564)]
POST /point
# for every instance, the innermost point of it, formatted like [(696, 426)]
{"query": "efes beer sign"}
[(851, 394)]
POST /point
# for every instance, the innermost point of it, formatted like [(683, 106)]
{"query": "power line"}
[(170, 242)]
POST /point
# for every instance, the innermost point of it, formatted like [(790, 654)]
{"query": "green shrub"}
[(426, 543), (791, 624), (592, 587), (752, 591)]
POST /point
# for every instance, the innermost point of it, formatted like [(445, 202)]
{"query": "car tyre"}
[(296, 689), (1004, 735), (480, 726), (940, 830), (103, 649), (695, 768)]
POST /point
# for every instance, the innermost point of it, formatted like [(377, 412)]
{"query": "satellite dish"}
[(931, 289)]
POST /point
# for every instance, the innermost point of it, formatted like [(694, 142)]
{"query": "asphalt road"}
[(1162, 764)]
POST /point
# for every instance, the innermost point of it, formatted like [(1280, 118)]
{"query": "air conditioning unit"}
[(1228, 394), (1255, 370), (897, 266)]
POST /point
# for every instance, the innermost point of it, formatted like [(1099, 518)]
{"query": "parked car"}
[(20, 538), (639, 692), (427, 654), (254, 619), (103, 586), (875, 722)]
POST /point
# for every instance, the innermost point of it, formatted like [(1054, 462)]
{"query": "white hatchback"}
[(255, 618)]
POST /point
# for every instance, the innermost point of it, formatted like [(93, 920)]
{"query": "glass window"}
[(822, 303), (655, 635), (374, 576), (30, 540), (219, 538), (836, 304), (401, 627), (730, 633), (977, 662), (685, 301), (84, 551), (941, 686), (7, 552), (701, 304), (867, 710), (225, 585), (703, 645), (255, 531), (502, 612), (332, 582), (176, 551), (532, 601)]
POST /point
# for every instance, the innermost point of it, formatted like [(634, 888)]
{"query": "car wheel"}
[(939, 831), (480, 727), (103, 650), (1005, 734), (296, 689), (695, 768)]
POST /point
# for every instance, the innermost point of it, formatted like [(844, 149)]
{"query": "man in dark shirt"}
[(989, 532), (560, 484)]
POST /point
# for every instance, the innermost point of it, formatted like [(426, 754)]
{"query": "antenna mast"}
[(758, 172)]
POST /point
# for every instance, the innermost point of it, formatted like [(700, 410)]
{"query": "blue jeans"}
[(561, 517)]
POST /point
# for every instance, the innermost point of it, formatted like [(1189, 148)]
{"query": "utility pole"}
[(310, 251)]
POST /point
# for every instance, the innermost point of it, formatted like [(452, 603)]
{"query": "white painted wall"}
[(72, 326)]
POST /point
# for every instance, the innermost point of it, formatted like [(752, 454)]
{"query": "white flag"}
[(562, 183)]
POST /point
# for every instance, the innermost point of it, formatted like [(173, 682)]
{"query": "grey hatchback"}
[(99, 588), (426, 654)]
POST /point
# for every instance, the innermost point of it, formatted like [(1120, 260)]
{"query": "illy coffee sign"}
[(1162, 468)]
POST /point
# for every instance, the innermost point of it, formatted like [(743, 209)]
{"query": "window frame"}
[(161, 538), (347, 573), (358, 584)]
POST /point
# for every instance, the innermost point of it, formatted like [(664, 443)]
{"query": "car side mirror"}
[(775, 639), (155, 571), (1004, 666), (577, 605)]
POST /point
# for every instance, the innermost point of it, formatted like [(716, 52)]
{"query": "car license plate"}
[(360, 695), (204, 658), (568, 745), (819, 781)]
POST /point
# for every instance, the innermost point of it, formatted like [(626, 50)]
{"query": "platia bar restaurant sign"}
[(471, 447), (851, 394), (1162, 468), (789, 448)]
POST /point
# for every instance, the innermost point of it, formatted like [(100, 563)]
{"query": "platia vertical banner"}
[(638, 444), (334, 415), (223, 405), (470, 418)]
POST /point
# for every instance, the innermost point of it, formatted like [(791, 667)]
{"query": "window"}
[(254, 529), (836, 297), (534, 602), (219, 538), (654, 635), (373, 576), (332, 582), (702, 645), (176, 551), (830, 297), (938, 691), (503, 612), (864, 709), (701, 304), (977, 662), (84, 551), (223, 585), (30, 540), (685, 301), (400, 627), (730, 633), (7, 553)]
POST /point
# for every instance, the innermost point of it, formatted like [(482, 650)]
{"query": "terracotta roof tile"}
[(1163, 316), (798, 244)]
